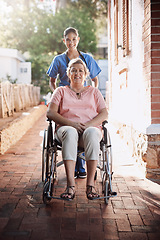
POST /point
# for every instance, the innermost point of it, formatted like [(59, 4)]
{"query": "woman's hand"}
[(53, 114), (79, 126)]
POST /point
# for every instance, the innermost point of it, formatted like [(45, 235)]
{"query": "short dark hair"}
[(69, 30)]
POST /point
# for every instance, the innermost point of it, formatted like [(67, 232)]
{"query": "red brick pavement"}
[(133, 214)]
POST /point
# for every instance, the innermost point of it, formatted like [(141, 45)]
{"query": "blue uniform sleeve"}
[(53, 69), (92, 65)]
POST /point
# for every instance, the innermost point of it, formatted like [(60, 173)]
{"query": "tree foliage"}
[(96, 8), (38, 32)]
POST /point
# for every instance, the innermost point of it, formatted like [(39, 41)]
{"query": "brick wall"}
[(151, 38), (155, 62), (139, 128)]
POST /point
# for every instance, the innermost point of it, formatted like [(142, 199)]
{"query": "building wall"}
[(129, 103), (13, 64), (155, 61), (9, 66), (24, 72), (151, 38), (134, 78)]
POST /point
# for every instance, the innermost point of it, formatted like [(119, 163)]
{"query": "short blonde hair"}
[(77, 61)]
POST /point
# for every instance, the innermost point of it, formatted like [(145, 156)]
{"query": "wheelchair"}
[(50, 164)]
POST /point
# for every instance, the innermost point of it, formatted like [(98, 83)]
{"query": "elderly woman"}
[(78, 111)]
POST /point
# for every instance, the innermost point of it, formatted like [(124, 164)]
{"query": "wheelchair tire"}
[(106, 191), (100, 163), (104, 178), (109, 153), (106, 186), (49, 137), (44, 152), (46, 198), (106, 157)]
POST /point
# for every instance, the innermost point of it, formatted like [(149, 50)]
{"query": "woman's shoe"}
[(67, 195), (90, 194)]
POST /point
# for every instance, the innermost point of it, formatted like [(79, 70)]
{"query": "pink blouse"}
[(82, 109)]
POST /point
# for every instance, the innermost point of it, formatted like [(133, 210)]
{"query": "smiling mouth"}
[(77, 79)]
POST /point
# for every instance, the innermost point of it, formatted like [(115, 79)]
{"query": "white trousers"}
[(70, 139)]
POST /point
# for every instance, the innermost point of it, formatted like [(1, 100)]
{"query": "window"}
[(23, 70), (116, 30), (123, 20), (125, 26)]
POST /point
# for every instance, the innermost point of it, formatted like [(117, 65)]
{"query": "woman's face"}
[(77, 74), (71, 41)]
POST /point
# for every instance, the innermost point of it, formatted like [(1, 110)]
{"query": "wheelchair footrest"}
[(113, 194)]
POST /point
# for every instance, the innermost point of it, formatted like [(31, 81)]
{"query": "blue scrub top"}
[(59, 66)]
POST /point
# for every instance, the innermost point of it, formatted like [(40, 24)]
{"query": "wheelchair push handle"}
[(104, 131), (49, 120), (104, 122)]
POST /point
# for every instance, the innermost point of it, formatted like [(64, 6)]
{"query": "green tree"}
[(39, 33), (96, 8)]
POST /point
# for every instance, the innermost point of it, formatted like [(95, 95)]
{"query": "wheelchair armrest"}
[(104, 122), (49, 120)]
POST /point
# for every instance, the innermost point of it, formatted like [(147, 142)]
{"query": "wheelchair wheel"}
[(44, 152), (52, 174)]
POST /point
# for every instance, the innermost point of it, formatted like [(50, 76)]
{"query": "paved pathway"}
[(133, 214)]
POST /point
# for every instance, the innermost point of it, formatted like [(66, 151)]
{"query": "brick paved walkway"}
[(133, 214)]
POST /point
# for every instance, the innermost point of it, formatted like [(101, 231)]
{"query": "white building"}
[(103, 77), (13, 65)]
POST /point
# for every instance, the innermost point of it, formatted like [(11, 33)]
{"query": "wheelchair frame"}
[(50, 164)]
